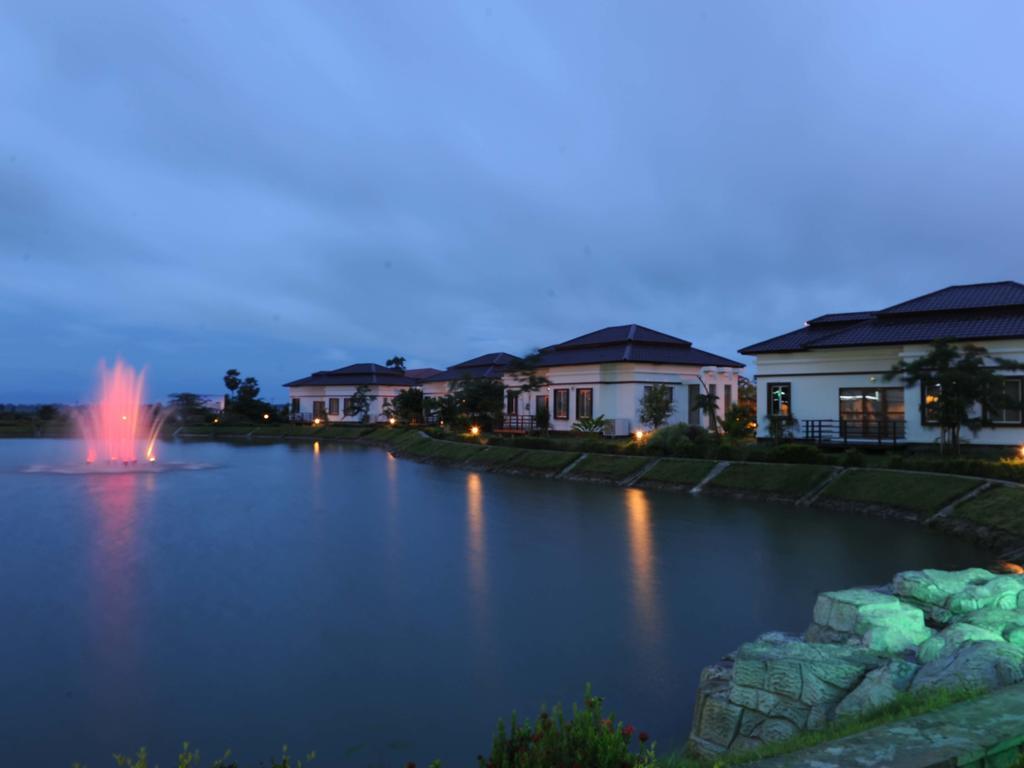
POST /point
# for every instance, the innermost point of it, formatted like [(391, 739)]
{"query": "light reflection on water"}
[(327, 596)]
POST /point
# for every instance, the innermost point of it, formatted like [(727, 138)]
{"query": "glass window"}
[(295, 405), (318, 409), (347, 405), (512, 403), (871, 405), (584, 403), (542, 403), (332, 406), (1010, 410), (693, 416), (930, 403), (728, 397), (780, 399), (561, 403)]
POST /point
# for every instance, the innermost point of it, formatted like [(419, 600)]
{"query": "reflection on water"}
[(642, 567), (114, 630), (475, 554)]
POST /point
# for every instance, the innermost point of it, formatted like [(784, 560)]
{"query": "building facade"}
[(327, 396), (833, 376)]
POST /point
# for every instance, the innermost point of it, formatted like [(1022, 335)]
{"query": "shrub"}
[(796, 453), (588, 739), (853, 458), (681, 440), (591, 426)]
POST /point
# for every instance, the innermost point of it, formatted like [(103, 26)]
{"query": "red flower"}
[(628, 732), (643, 736)]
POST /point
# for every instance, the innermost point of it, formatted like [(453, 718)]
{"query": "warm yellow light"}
[(216, 421), (266, 416), (1021, 452), (639, 434), (474, 430), (316, 422), (316, 447), (391, 421)]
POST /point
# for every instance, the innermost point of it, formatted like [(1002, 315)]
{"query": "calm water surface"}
[(378, 610)]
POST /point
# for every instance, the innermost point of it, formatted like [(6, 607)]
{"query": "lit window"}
[(584, 403), (780, 399), (561, 403)]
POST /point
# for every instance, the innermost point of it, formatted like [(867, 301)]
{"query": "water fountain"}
[(119, 429)]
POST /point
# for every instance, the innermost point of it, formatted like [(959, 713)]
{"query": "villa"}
[(831, 375), (327, 395), (490, 366), (605, 373)]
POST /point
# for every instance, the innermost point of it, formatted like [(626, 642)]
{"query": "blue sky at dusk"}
[(285, 187)]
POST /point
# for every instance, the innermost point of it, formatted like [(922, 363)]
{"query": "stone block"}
[(935, 587), (748, 672), (954, 637), (987, 665), (720, 721), (878, 688), (745, 697), (783, 677), (778, 729), (750, 722), (998, 592)]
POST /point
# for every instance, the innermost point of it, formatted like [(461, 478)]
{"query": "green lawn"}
[(905, 490), (444, 450), (496, 455), (678, 471), (543, 461), (790, 480), (999, 507), (609, 467)]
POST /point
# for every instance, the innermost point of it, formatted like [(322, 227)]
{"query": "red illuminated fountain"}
[(119, 429)]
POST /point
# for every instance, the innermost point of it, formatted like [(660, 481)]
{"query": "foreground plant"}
[(189, 758), (588, 739)]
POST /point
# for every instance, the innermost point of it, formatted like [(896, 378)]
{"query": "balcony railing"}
[(854, 430), (516, 424)]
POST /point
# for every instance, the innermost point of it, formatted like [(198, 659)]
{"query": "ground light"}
[(266, 416), (474, 430), (639, 435), (316, 422), (391, 421)]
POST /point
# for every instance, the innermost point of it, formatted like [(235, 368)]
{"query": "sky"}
[(296, 186)]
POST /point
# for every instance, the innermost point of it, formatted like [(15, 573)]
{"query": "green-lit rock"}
[(878, 688), (935, 587), (950, 640), (987, 665)]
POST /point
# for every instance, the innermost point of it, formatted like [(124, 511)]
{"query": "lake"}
[(378, 610)]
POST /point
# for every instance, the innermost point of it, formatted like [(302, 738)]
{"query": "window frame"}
[(346, 406), (333, 404), (772, 385), (590, 405), (556, 411), (925, 420), (1004, 380), (671, 390)]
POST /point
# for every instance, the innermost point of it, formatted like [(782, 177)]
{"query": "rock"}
[(720, 721), (950, 640), (998, 592), (935, 587), (987, 665), (876, 619), (878, 688), (1003, 621)]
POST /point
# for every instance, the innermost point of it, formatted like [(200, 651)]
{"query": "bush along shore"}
[(986, 509)]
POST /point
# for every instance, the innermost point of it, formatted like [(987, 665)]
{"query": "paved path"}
[(984, 733)]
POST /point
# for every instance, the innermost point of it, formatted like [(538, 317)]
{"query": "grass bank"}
[(917, 493), (789, 481), (683, 473)]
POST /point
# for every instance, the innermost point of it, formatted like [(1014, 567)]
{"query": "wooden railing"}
[(516, 424), (858, 430)]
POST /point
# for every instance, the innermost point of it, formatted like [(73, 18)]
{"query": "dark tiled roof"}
[(628, 344), (960, 297), (489, 366), (360, 373), (421, 373), (964, 312)]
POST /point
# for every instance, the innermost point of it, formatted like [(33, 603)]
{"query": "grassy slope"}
[(496, 455), (776, 479), (678, 471), (905, 490), (543, 461), (609, 467), (1000, 507)]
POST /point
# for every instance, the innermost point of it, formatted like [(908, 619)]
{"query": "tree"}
[(656, 405), (359, 403), (406, 407), (249, 389), (961, 387), (397, 362), (747, 393), (47, 412), (523, 372), (190, 407), (708, 402), (739, 420), (478, 401), (232, 380)]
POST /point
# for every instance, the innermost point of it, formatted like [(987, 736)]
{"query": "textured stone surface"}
[(863, 649), (985, 732)]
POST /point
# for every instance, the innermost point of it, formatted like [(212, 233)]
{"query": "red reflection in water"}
[(118, 427)]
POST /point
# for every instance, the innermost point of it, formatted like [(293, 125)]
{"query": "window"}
[(347, 405), (318, 409), (930, 403), (871, 405), (584, 403), (780, 399), (332, 406), (512, 403), (1008, 395), (692, 395), (295, 405), (541, 404), (561, 403), (728, 397), (650, 387)]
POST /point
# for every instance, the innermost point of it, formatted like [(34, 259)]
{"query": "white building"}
[(489, 366), (327, 395), (831, 375), (605, 373)]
